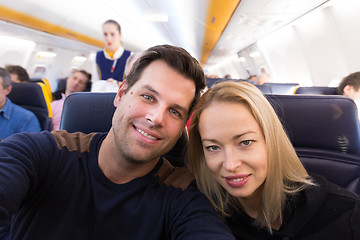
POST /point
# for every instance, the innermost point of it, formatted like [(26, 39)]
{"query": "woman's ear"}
[(120, 93)]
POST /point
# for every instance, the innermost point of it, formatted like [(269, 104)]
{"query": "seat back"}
[(31, 97), (282, 88), (264, 88), (92, 112), (325, 132), (316, 90), (88, 112)]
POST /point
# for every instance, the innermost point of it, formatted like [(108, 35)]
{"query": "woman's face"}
[(112, 36), (234, 148)]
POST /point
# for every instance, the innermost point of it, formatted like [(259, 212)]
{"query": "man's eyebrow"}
[(156, 93), (151, 89)]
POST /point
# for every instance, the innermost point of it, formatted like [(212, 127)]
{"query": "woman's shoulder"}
[(333, 190)]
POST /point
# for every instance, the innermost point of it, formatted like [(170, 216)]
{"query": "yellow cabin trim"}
[(22, 19), (46, 96), (218, 15)]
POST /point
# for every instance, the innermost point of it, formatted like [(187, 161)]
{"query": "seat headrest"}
[(316, 90), (264, 88), (27, 94), (282, 88), (319, 121), (31, 97), (88, 112)]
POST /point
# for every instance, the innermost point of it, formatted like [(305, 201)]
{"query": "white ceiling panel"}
[(251, 21)]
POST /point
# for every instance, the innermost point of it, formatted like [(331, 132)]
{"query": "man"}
[(130, 62), (17, 73), (13, 119), (77, 82), (350, 86), (114, 186)]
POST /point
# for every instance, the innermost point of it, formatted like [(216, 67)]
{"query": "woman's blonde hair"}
[(286, 174)]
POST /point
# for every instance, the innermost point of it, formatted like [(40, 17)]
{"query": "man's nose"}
[(156, 115)]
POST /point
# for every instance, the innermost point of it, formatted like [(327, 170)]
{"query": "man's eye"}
[(176, 113), (148, 97)]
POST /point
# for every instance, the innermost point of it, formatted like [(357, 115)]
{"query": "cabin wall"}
[(17, 51), (318, 49)]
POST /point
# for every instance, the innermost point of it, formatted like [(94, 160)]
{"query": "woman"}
[(245, 164), (111, 61)]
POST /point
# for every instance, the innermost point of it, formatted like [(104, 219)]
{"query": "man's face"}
[(151, 116), (3, 93), (76, 83), (355, 94), (14, 77)]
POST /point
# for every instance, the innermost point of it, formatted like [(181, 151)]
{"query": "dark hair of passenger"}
[(175, 57), (353, 80), (88, 75), (19, 71), (110, 21), (6, 79)]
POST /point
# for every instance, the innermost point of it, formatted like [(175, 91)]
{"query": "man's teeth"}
[(145, 134), (237, 179)]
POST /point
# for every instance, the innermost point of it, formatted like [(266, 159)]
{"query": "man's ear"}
[(120, 93), (347, 90)]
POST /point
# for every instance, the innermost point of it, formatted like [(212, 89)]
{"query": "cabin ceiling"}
[(191, 24)]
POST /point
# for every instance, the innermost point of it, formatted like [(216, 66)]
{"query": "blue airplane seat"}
[(92, 112), (316, 90), (264, 88), (88, 112), (212, 81), (31, 97), (282, 88), (325, 132)]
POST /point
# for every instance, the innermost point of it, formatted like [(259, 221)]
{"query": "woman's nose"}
[(231, 161)]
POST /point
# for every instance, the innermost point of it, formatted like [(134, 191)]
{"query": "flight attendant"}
[(110, 61)]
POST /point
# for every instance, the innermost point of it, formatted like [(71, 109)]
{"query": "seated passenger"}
[(245, 164), (77, 82), (17, 73), (130, 62), (63, 185), (13, 118), (350, 87)]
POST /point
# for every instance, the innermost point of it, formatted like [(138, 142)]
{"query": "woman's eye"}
[(212, 148), (246, 142)]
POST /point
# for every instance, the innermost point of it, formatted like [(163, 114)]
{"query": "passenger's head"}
[(175, 57), (5, 86), (17, 73), (112, 34), (130, 62), (154, 102), (77, 82), (238, 150), (350, 86)]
